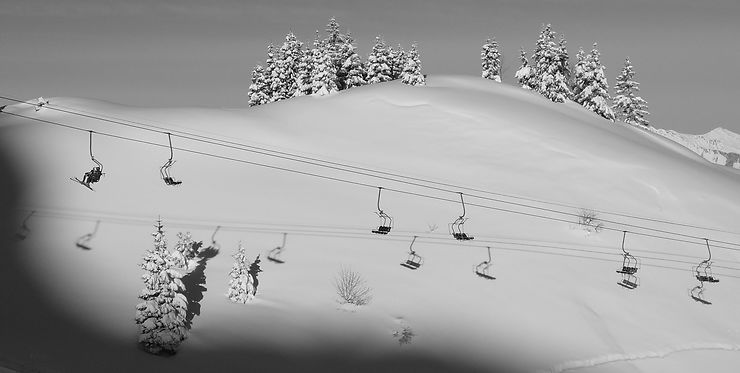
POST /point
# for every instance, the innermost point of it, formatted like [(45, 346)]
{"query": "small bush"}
[(404, 336), (352, 288), (589, 220)]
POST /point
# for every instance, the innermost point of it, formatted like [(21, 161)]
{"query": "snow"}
[(555, 304), (720, 146)]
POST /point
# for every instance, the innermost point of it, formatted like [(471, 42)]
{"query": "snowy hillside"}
[(720, 146), (526, 167)]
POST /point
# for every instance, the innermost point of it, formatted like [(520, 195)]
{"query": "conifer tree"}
[(346, 50), (412, 74), (323, 75), (239, 278), (525, 74), (354, 70), (628, 107), (549, 77), (564, 58), (258, 89), (398, 58), (272, 75), (491, 60), (162, 313), (593, 90), (304, 84), (579, 74), (378, 64), (287, 67)]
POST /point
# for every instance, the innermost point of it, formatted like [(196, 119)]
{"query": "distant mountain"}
[(720, 146)]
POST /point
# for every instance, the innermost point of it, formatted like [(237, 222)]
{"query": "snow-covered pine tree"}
[(253, 271), (258, 89), (564, 59), (272, 75), (354, 69), (412, 74), (593, 89), (525, 74), (378, 64), (398, 58), (323, 75), (304, 84), (287, 66), (628, 107), (239, 277), (345, 51), (162, 313), (549, 78), (491, 60), (185, 250), (579, 74)]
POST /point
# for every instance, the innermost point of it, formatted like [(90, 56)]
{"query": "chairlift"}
[(414, 261), (23, 231), (630, 265), (629, 281), (165, 169), (704, 269), (92, 176), (482, 269), (456, 227), (386, 222), (697, 294), (274, 254), (82, 242)]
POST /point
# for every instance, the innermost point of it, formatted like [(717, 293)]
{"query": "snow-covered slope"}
[(720, 146), (555, 302)]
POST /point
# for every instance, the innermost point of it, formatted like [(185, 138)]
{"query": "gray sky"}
[(200, 53)]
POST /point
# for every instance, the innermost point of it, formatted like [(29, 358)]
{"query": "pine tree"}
[(185, 250), (162, 313), (397, 58), (564, 58), (354, 70), (378, 65), (287, 66), (593, 90), (338, 46), (549, 77), (323, 75), (345, 51), (629, 107), (272, 75), (491, 60), (304, 84), (239, 278), (579, 74), (258, 89), (411, 74), (525, 74)]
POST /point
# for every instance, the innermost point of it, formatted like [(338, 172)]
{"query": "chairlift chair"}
[(386, 222), (630, 264), (482, 269), (629, 281), (164, 171), (704, 269), (457, 226), (697, 294), (274, 254), (414, 261), (82, 242), (92, 176)]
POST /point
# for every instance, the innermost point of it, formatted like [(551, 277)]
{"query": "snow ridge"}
[(611, 358), (720, 146)]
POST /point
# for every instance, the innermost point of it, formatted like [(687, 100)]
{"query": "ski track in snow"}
[(613, 358)]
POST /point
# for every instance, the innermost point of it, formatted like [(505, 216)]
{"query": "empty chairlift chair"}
[(482, 269), (164, 171), (386, 222), (703, 273), (92, 176), (630, 266), (457, 226), (274, 254), (414, 261)]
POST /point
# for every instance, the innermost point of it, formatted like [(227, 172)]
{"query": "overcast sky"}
[(686, 53)]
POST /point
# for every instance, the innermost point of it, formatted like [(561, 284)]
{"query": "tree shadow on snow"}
[(195, 282)]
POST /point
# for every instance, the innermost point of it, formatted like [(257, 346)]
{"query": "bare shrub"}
[(352, 288), (589, 220), (404, 336)]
